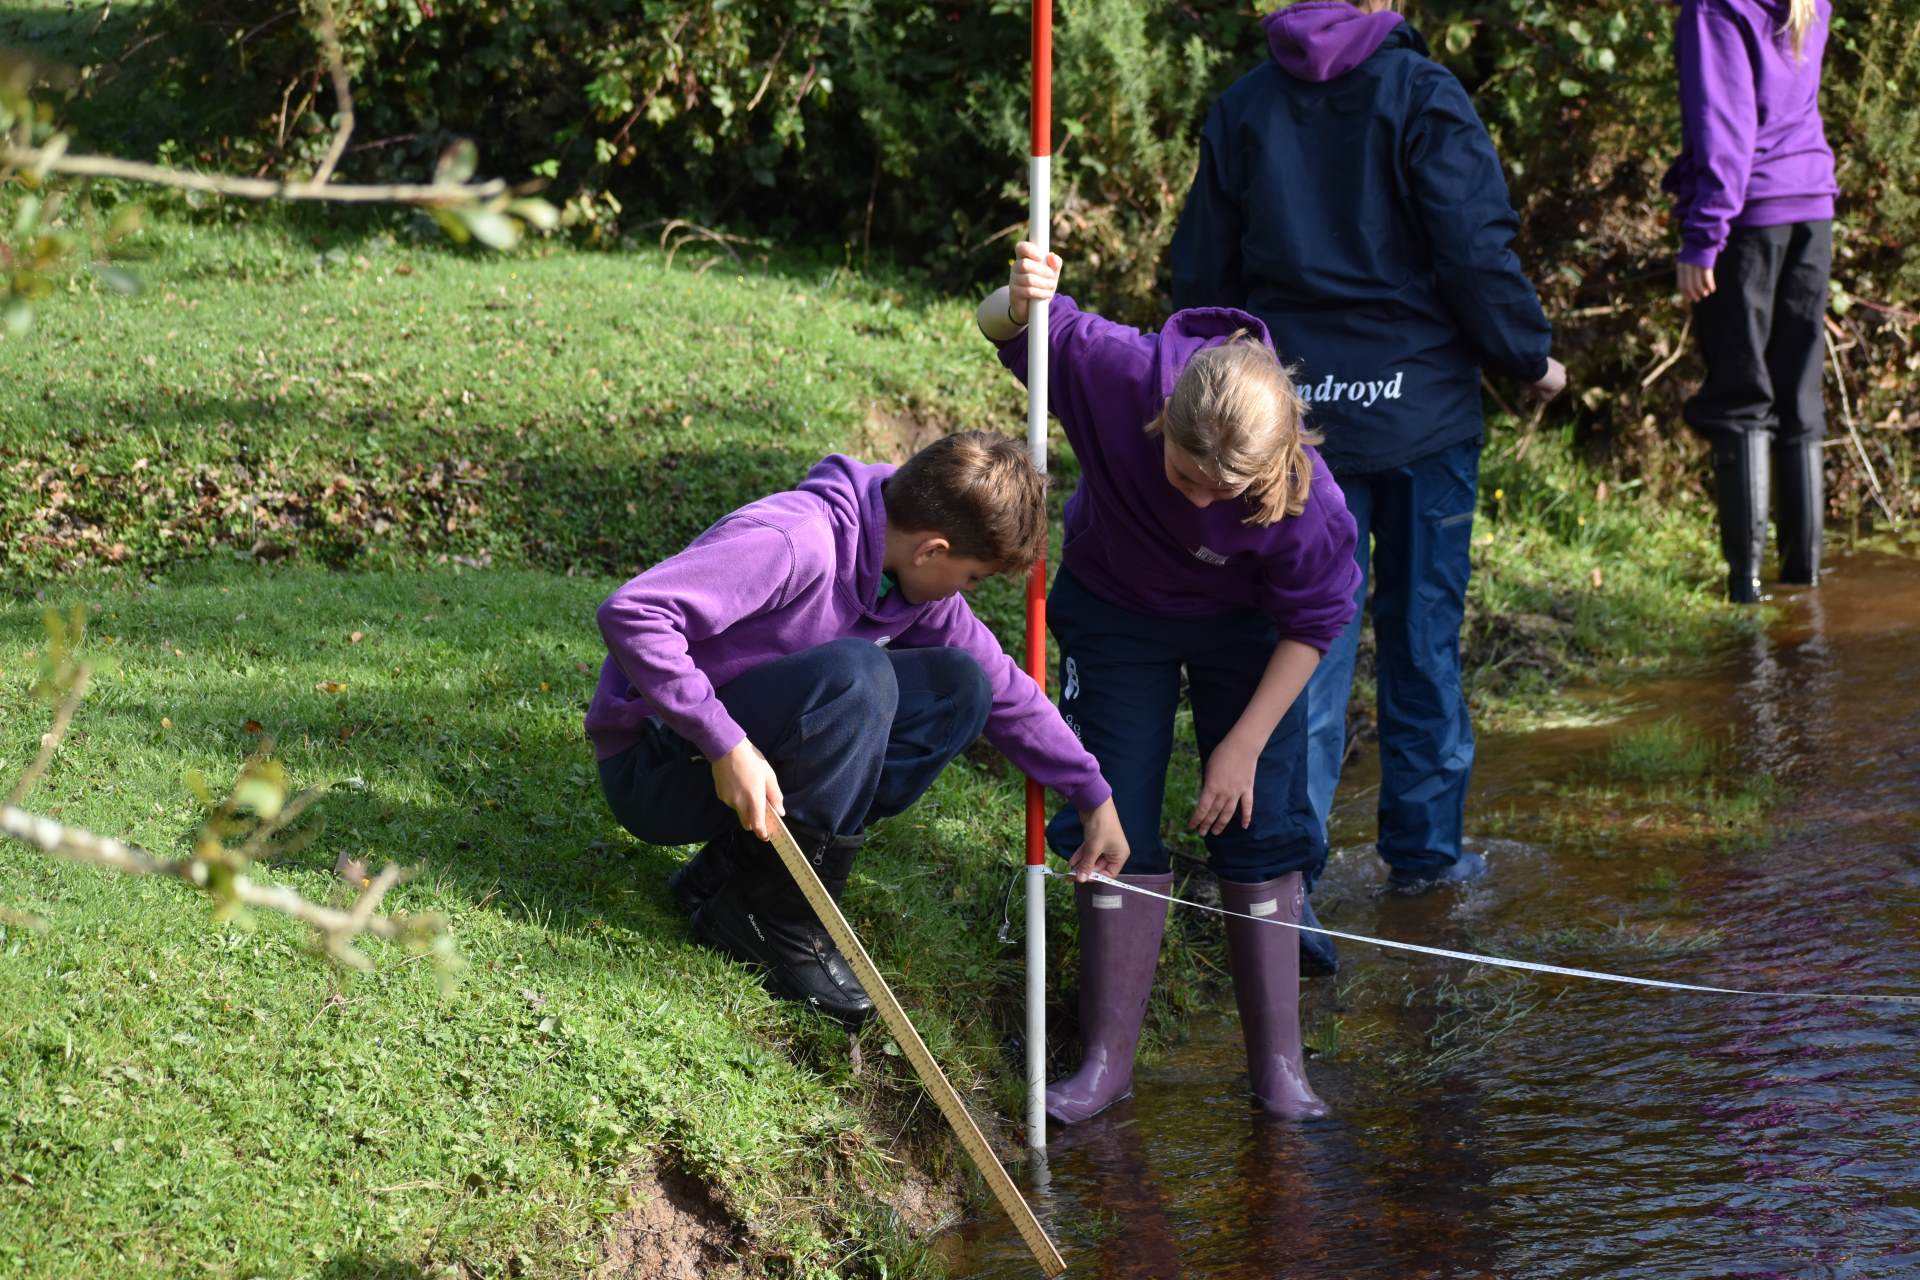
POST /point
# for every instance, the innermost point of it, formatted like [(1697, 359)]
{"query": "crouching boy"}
[(812, 655)]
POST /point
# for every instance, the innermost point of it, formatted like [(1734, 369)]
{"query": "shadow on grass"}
[(361, 1266), (228, 485), (442, 708)]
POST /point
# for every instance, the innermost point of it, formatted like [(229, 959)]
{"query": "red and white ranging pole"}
[(1040, 194)]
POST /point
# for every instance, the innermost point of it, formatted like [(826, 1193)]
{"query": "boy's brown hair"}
[(979, 491)]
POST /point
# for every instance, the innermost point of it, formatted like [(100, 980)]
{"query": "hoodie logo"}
[(1208, 555), (1330, 389)]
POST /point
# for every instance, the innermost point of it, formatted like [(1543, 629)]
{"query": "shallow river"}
[(1531, 1129)]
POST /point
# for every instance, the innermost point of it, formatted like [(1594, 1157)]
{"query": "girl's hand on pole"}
[(1103, 847), (744, 781), (1033, 279), (1695, 282), (1228, 791)]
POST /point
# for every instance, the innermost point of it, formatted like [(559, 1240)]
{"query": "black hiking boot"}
[(759, 916), (697, 879)]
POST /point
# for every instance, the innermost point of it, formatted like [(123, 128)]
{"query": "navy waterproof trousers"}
[(1419, 519), (854, 732), (1119, 691)]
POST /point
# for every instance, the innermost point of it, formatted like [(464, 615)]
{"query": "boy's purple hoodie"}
[(1131, 538), (1753, 153), (788, 573)]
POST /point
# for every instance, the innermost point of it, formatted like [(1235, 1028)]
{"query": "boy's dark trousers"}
[(1762, 335), (854, 733), (1416, 534), (1119, 691)]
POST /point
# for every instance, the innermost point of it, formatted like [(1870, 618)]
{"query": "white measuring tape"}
[(1471, 957)]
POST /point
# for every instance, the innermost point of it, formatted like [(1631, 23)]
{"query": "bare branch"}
[(50, 741), (50, 160), (337, 928), (342, 94), (256, 846), (1679, 349), (1853, 432)]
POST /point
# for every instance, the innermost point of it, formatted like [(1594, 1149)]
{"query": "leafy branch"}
[(35, 158), (251, 823)]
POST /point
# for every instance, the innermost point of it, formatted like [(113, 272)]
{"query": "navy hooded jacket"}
[(1349, 196)]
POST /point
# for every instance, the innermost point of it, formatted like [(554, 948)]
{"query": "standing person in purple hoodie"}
[(1753, 189), (812, 655), (1348, 195), (1206, 537)]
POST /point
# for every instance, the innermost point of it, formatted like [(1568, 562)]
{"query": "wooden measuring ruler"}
[(935, 1080)]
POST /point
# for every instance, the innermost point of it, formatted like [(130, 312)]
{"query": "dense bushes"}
[(899, 126)]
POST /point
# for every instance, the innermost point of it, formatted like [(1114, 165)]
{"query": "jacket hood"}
[(1196, 329), (854, 495), (1319, 40)]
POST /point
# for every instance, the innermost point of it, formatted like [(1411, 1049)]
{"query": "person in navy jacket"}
[(1349, 196)]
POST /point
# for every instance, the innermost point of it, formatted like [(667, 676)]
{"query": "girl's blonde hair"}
[(1800, 16), (1235, 412)]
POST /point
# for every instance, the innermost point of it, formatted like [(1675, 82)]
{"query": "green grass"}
[(233, 1106), (559, 409), (1576, 577), (289, 438), (1666, 751), (363, 399)]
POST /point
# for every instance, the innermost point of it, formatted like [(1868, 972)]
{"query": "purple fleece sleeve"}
[(1718, 118), (1093, 365), (1307, 585), (738, 570), (1024, 726)]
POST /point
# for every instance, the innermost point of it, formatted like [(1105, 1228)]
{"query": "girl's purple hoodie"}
[(788, 573), (1131, 538), (1753, 150)]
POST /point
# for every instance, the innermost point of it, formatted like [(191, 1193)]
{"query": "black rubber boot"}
[(697, 879), (1799, 472), (760, 916), (1740, 483), (1318, 957)]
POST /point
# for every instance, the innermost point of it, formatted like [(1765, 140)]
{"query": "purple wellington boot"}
[(1119, 949), (1265, 960)]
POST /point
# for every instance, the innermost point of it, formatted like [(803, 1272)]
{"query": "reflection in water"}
[(1614, 1132)]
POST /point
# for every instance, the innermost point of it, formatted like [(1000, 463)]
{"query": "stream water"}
[(1531, 1129)]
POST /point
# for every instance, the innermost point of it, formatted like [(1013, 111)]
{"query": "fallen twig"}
[(690, 232)]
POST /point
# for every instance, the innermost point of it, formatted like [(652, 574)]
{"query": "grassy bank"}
[(285, 443)]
